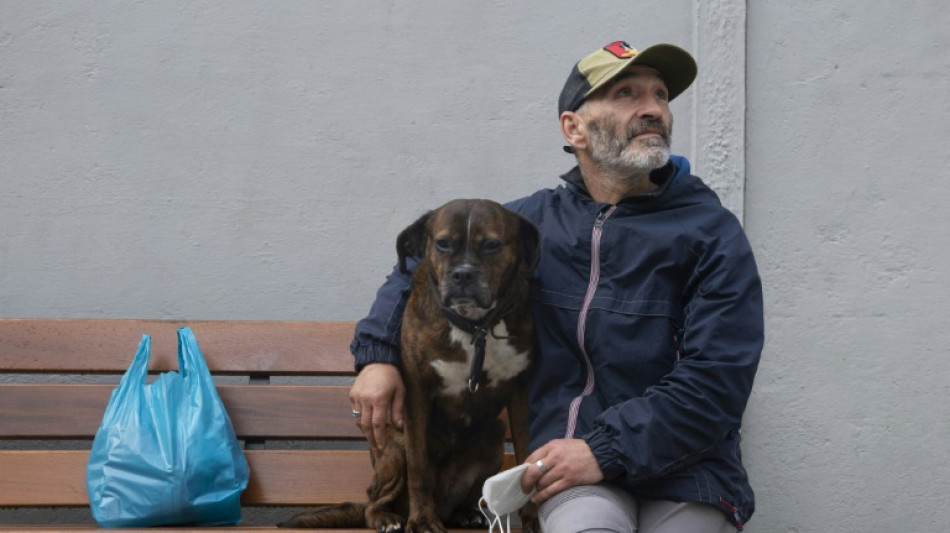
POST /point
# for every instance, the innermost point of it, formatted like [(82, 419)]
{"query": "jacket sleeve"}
[(376, 339), (697, 404)]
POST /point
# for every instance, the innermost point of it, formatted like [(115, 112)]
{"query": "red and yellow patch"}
[(621, 49)]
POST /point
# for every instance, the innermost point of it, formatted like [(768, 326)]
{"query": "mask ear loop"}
[(492, 522)]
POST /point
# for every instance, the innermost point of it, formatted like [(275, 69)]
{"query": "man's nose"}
[(651, 107)]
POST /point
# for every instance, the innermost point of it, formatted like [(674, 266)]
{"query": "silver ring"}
[(540, 466), (357, 414)]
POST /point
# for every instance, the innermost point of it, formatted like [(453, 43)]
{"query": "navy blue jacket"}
[(650, 326)]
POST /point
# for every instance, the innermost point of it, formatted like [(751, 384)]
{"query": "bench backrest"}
[(41, 403)]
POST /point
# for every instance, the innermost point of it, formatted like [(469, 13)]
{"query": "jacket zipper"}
[(582, 319)]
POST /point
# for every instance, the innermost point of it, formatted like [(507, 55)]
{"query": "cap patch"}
[(621, 49)]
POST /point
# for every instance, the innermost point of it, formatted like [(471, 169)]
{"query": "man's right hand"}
[(378, 394)]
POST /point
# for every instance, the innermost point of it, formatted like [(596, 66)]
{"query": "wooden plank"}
[(193, 529), (305, 477), (173, 529), (235, 347), (74, 411), (163, 529), (278, 477), (290, 411)]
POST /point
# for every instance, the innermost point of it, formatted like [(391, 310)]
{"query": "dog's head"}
[(474, 248)]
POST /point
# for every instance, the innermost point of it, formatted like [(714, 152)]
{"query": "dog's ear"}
[(411, 242), (530, 242)]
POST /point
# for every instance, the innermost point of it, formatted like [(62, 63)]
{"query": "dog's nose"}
[(464, 275)]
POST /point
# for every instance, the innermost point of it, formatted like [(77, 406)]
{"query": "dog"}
[(467, 345)]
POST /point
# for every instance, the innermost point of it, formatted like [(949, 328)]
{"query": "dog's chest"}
[(502, 361)]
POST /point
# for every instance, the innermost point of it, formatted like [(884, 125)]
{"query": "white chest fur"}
[(502, 361)]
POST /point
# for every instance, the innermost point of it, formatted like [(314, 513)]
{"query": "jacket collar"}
[(675, 168)]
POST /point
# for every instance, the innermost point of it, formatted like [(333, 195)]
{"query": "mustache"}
[(641, 126)]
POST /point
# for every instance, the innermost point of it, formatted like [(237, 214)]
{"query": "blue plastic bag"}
[(166, 452)]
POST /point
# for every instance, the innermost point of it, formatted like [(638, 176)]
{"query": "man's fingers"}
[(530, 478), (399, 398), (366, 425), (550, 490), (378, 426)]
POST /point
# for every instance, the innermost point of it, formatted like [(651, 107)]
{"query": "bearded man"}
[(648, 313)]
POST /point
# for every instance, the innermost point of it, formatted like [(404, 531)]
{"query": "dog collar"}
[(479, 333), (479, 330)]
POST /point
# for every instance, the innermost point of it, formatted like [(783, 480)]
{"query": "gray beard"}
[(620, 158)]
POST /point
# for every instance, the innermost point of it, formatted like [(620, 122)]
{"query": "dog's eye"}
[(443, 245), (491, 246)]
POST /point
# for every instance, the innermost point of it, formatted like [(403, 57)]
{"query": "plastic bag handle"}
[(138, 370), (131, 387), (190, 358)]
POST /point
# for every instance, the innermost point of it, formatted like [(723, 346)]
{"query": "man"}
[(648, 309)]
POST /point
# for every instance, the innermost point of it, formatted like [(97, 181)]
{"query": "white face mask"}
[(502, 495)]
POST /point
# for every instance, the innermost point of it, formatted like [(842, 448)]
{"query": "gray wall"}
[(846, 205), (257, 159)]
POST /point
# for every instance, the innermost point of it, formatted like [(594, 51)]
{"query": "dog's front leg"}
[(518, 421), (419, 472)]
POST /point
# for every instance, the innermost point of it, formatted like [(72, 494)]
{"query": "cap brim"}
[(675, 65)]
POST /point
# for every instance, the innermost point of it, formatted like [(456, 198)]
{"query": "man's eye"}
[(491, 246), (443, 245), (662, 95)]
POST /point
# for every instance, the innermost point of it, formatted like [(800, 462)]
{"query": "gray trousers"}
[(608, 509)]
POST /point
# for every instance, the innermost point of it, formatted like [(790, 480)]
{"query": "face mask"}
[(502, 495)]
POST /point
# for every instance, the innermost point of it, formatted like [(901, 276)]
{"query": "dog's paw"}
[(425, 525), (386, 522), (390, 528), (469, 519)]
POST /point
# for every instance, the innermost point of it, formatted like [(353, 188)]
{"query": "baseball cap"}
[(675, 65)]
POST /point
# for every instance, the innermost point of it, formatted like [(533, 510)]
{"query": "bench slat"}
[(188, 529), (230, 347), (278, 477), (240, 528), (74, 411), (177, 529)]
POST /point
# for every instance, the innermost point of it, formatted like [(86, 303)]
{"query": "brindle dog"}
[(467, 345)]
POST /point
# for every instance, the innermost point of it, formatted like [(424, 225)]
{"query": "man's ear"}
[(574, 130), (411, 241)]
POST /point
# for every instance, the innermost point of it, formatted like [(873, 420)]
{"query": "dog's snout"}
[(464, 275)]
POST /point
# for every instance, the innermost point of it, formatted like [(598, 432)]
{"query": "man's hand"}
[(567, 463), (378, 395)]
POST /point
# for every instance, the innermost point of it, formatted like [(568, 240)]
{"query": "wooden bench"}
[(284, 384)]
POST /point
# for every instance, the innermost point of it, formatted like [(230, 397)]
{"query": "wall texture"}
[(846, 206), (257, 159), (252, 159)]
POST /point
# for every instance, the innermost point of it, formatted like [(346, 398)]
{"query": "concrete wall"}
[(257, 159), (846, 205)]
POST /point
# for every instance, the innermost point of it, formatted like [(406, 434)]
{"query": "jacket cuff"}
[(602, 447), (365, 354)]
